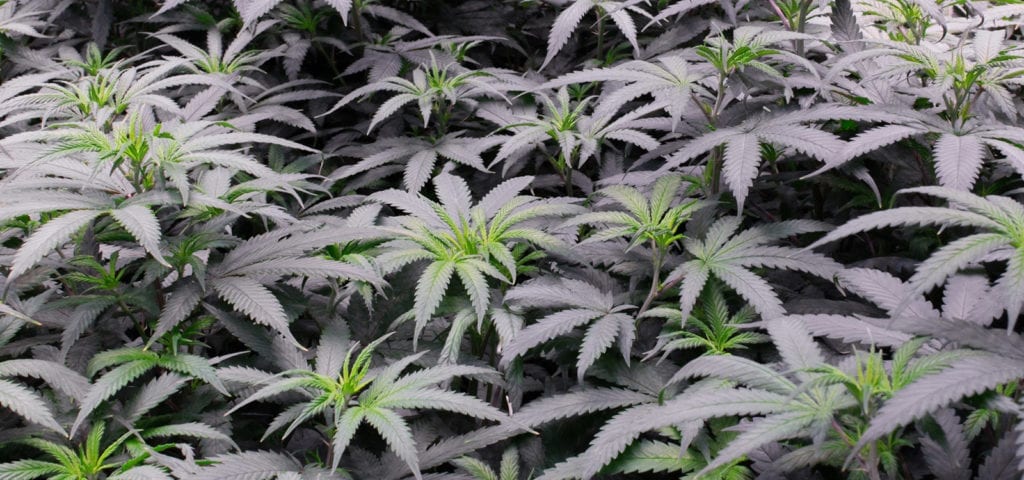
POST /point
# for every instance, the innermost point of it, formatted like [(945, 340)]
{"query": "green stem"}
[(713, 176), (656, 261), (715, 165), (357, 20), (330, 58), (872, 462), (801, 26), (778, 11), (719, 99), (869, 467), (484, 340), (443, 117), (568, 181), (139, 325), (564, 169)]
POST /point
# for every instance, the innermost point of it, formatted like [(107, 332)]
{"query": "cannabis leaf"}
[(239, 278), (418, 155), (729, 256), (1001, 220), (742, 144), (959, 152), (131, 363), (94, 457), (670, 80), (460, 238), (355, 396), (578, 136), (998, 362), (655, 220), (711, 327), (569, 18), (508, 469), (434, 85), (583, 304)]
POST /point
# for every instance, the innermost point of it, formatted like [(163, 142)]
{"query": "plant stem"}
[(715, 160), (357, 20), (872, 463), (656, 260), (801, 26), (778, 11), (484, 340), (330, 58), (564, 169), (719, 99), (715, 163), (139, 325), (869, 467), (661, 289)]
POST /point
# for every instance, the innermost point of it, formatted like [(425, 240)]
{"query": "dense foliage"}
[(511, 239)]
